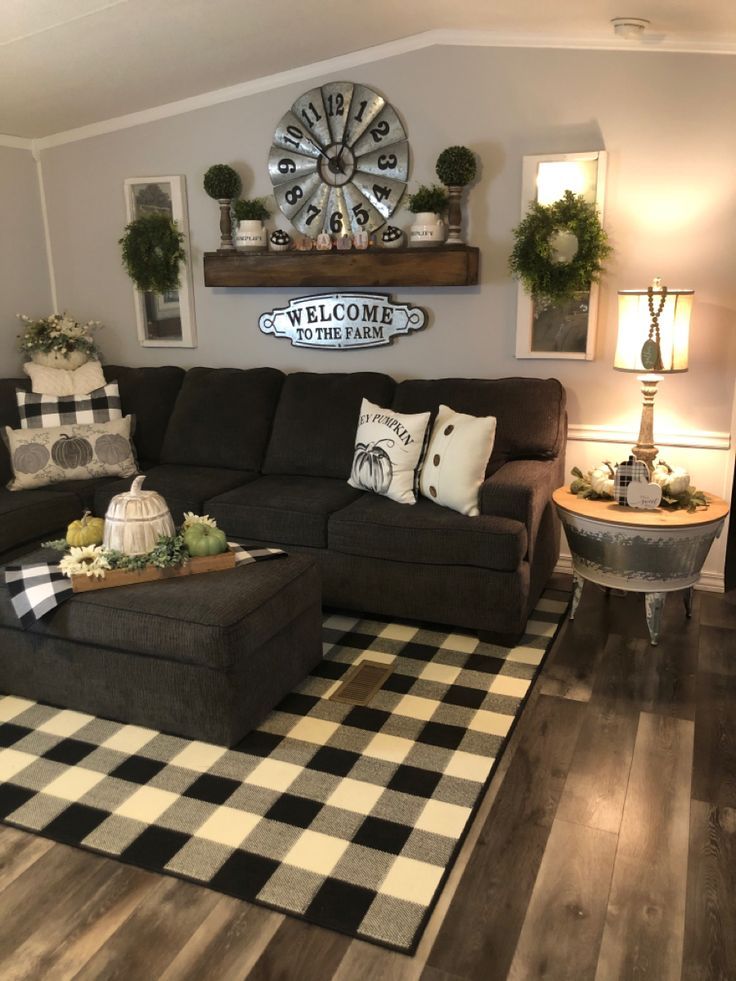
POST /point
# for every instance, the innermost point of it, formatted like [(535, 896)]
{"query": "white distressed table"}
[(651, 552)]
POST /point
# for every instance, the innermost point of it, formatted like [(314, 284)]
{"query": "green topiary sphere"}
[(456, 166), (221, 181)]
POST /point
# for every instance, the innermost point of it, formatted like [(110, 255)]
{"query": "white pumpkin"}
[(601, 479), (136, 519), (673, 480)]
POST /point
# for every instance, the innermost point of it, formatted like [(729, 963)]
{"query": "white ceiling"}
[(70, 63)]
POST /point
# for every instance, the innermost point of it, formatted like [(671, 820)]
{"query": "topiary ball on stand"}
[(222, 183), (455, 167)]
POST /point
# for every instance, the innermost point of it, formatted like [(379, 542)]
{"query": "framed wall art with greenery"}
[(164, 312), (559, 249)]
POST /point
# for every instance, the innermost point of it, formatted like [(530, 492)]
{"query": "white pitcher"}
[(428, 229)]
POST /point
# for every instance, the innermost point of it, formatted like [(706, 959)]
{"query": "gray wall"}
[(24, 280), (666, 120)]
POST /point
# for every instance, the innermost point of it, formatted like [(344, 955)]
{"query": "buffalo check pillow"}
[(48, 411)]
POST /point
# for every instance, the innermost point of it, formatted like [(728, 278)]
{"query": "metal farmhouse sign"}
[(342, 320)]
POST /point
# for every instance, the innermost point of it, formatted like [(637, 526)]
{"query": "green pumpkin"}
[(204, 540)]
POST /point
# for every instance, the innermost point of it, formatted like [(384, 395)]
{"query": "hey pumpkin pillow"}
[(40, 457), (388, 451)]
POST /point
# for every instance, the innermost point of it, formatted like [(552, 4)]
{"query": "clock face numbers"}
[(339, 160)]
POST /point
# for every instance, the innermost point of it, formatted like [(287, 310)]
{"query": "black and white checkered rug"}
[(348, 817)]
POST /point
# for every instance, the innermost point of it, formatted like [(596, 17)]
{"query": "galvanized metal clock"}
[(339, 161)]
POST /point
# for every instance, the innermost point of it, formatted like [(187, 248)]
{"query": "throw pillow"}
[(388, 450), (457, 456), (49, 456), (44, 411), (59, 381)]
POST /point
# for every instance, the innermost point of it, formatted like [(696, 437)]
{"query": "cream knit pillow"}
[(59, 381)]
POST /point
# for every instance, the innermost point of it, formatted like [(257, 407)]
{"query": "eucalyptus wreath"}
[(151, 251), (533, 259)]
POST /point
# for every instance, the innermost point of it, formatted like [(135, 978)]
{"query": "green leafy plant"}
[(221, 181), (533, 259), (59, 333), (151, 251), (253, 209), (456, 166), (426, 198), (168, 552), (584, 485)]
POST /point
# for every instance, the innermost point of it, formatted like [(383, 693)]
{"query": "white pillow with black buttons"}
[(455, 464)]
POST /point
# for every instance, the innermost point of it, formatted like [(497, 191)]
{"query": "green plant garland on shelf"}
[(533, 260), (151, 252)]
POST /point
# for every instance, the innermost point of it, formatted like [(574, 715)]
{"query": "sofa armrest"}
[(522, 489)]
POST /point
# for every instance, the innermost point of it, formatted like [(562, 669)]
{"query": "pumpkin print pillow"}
[(40, 457), (388, 450)]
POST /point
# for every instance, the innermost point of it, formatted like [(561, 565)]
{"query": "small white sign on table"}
[(342, 320)]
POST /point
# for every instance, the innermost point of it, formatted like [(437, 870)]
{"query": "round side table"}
[(652, 552)]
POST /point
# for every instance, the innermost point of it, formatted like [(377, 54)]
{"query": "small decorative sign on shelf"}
[(342, 320), (129, 577)]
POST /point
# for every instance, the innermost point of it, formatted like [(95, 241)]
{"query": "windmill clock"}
[(339, 160)]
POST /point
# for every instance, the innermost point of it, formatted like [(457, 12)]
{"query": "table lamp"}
[(653, 332)]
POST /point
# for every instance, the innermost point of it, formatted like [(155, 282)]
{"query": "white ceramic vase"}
[(428, 229), (56, 359), (250, 234)]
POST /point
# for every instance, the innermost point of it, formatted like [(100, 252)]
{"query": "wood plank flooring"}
[(604, 849)]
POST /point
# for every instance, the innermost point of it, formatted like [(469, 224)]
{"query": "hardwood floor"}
[(604, 849)]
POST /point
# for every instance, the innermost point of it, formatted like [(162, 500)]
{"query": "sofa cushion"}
[(316, 420), (183, 488), (284, 509), (426, 533), (9, 417), (31, 515), (222, 418), (148, 394), (530, 412)]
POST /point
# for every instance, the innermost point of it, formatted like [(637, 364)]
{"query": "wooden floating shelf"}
[(442, 265)]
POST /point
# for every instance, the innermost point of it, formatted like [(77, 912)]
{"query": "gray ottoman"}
[(206, 657)]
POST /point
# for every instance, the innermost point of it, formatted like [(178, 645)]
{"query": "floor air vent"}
[(362, 682)]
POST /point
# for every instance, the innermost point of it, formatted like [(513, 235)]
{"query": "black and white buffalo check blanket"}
[(349, 817), (39, 587)]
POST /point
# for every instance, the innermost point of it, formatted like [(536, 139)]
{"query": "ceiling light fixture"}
[(629, 28)]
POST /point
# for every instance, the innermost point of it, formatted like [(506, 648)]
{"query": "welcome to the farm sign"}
[(342, 320)]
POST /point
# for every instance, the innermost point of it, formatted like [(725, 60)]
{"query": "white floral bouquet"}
[(58, 333)]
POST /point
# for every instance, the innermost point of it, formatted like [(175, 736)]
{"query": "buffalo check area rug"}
[(349, 817)]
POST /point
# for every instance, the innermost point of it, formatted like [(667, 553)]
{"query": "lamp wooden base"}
[(644, 449)]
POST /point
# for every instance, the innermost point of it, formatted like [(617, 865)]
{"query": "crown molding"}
[(365, 56), (16, 142), (693, 439)]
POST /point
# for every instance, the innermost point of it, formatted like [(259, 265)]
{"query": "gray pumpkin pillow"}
[(388, 450), (40, 457)]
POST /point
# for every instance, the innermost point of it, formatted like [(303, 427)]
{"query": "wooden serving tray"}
[(128, 577)]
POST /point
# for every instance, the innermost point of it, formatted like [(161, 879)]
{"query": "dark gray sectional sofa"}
[(268, 455)]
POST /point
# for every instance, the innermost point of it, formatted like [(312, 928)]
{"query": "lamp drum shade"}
[(635, 320)]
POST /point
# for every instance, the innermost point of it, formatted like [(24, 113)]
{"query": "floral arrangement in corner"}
[(58, 333), (197, 536), (677, 491)]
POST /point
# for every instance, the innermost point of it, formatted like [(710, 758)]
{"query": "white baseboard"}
[(709, 582)]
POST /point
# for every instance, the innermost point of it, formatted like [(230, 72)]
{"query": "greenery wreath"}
[(151, 251), (533, 259)]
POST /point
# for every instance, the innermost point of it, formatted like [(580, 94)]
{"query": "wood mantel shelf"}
[(453, 265)]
